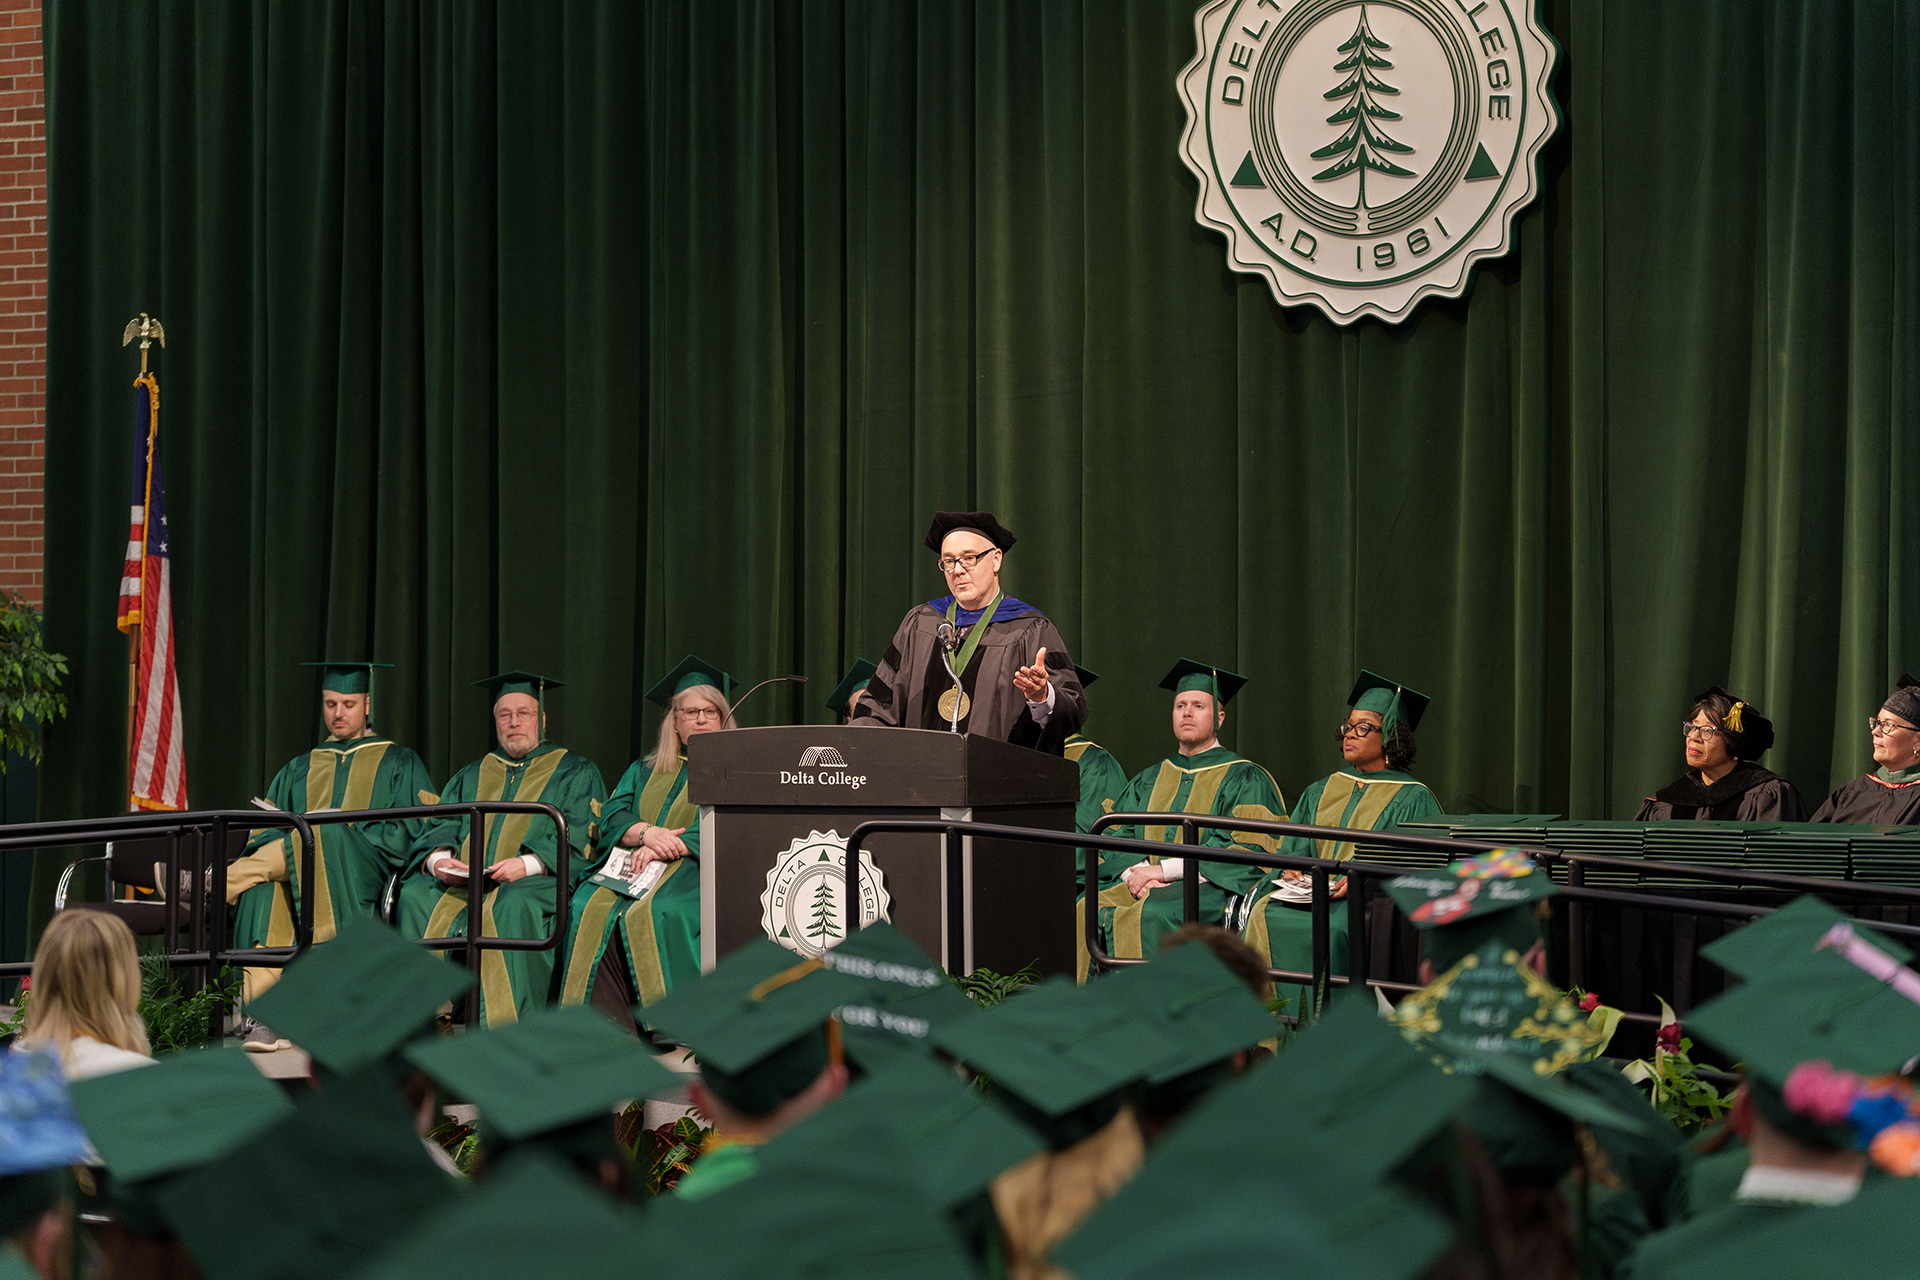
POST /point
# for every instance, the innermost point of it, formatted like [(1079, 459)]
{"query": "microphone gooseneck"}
[(749, 693)]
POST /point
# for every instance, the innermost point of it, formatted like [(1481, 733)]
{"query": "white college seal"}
[(1363, 154), (803, 907)]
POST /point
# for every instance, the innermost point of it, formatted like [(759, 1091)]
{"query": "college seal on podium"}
[(803, 906)]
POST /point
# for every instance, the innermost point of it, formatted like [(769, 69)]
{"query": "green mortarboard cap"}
[(1492, 1002), (693, 670), (1206, 1007), (756, 1022), (548, 1070), (531, 1216), (1526, 1077), (903, 995), (534, 686), (356, 999), (1799, 1004), (346, 677), (1188, 674), (1349, 1100), (341, 1176), (1086, 677), (180, 1113), (853, 682), (1059, 1046), (1392, 702), (943, 1134), (1796, 927), (1471, 888), (981, 522), (38, 1129), (866, 1220)]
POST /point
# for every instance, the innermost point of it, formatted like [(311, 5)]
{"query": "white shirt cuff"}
[(533, 865), (1173, 868), (438, 858), (1040, 711)]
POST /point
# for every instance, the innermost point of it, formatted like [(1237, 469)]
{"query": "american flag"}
[(159, 771)]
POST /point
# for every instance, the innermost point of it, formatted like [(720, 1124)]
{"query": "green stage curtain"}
[(576, 336)]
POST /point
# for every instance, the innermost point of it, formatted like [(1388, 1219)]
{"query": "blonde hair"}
[(666, 750), (86, 982)]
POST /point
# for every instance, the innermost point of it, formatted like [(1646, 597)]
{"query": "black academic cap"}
[(1188, 674), (359, 997), (981, 522), (518, 682), (346, 676), (1393, 701), (1751, 733), (693, 670), (853, 682)]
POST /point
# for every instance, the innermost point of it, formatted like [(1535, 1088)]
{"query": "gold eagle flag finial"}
[(148, 330)]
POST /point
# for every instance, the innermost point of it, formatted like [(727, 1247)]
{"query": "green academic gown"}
[(1283, 931), (1101, 782), (511, 982), (656, 936), (1677, 1252), (353, 863), (1216, 782)]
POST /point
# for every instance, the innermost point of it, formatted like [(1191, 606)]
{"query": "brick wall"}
[(23, 299)]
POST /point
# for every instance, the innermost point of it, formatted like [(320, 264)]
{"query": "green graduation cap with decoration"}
[(361, 997), (758, 1022), (1391, 701), (692, 671), (1492, 897), (903, 995), (857, 678), (1216, 682)]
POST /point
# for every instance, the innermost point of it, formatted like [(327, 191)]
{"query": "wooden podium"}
[(776, 805)]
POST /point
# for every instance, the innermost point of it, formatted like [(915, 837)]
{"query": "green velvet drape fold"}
[(575, 336)]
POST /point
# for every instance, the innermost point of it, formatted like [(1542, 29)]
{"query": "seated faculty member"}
[(1016, 679), (356, 767), (517, 852), (1101, 780), (1140, 898), (1890, 795), (1723, 737), (1374, 788), (636, 930)]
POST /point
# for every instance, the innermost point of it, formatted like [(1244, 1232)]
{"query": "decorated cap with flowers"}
[(1474, 902)]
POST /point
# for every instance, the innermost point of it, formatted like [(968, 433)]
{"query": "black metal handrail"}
[(1319, 870), (201, 824)]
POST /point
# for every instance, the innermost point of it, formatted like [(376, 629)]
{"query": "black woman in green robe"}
[(355, 768), (1141, 898), (1101, 781), (520, 852), (636, 922), (1372, 790)]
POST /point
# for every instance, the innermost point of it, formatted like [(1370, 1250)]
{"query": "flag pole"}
[(148, 330)]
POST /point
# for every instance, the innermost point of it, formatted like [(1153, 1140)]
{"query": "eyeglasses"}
[(955, 563), (1704, 732), (515, 717), (1881, 728), (697, 714), (1356, 729)]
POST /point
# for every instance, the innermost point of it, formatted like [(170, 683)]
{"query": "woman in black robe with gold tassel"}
[(1723, 737)]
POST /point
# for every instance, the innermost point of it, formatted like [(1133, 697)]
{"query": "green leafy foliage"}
[(1673, 1081), (460, 1141), (987, 988), (11, 1029), (175, 1018), (661, 1156), (29, 680)]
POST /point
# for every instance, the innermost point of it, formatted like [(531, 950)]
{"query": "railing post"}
[(1190, 882), (1576, 928), (476, 913), (956, 902), (1359, 957), (1321, 908)]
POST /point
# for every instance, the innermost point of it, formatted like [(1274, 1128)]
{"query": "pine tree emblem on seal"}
[(803, 907), (1363, 154)]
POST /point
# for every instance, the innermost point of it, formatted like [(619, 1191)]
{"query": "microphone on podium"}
[(763, 684), (949, 641)]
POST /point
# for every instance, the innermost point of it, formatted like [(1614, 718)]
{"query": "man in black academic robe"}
[(1016, 678)]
